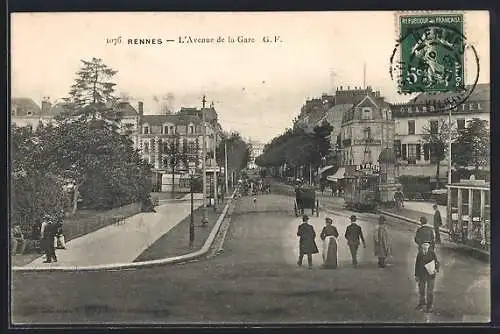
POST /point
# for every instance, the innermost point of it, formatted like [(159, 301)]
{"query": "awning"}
[(324, 169), (339, 174)]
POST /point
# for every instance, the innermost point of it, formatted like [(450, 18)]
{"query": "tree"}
[(437, 136), (472, 147), (91, 95), (238, 152), (174, 156)]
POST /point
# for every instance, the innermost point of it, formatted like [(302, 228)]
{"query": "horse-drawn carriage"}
[(305, 198)]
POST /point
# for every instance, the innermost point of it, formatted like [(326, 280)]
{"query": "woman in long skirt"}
[(329, 236)]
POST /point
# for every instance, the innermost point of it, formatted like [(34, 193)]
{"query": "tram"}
[(361, 188), (469, 214)]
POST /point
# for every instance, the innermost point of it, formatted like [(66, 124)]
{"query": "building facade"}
[(367, 128), (257, 150), (162, 138), (411, 120)]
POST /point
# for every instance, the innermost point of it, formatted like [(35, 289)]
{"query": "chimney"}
[(140, 105), (46, 106)]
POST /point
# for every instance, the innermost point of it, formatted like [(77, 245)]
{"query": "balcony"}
[(368, 142)]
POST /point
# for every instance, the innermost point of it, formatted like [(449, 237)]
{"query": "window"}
[(164, 130), (426, 152), (434, 127), (172, 130), (366, 113), (191, 129), (146, 147), (412, 153), (367, 132), (411, 127), (418, 156), (460, 124), (145, 129), (29, 113)]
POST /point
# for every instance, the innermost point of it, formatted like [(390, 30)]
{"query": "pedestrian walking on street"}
[(354, 234), (307, 245), (381, 242), (426, 267), (47, 239), (437, 223), (424, 233), (329, 236), (399, 199)]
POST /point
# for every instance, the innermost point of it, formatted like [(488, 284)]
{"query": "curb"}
[(416, 222), (132, 265)]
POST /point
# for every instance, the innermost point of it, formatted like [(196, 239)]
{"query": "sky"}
[(257, 88)]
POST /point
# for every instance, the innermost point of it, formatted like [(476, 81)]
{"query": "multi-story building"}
[(257, 150), (26, 112), (411, 119), (313, 111), (367, 129), (156, 140)]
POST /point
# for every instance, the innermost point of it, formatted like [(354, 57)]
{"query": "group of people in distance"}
[(329, 235), (426, 237)]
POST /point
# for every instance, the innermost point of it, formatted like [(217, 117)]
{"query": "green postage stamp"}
[(431, 53)]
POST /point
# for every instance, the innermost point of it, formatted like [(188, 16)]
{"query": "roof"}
[(25, 105), (126, 109), (335, 113), (174, 119), (480, 93)]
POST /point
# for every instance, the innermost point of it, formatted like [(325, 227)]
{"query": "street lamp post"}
[(191, 223), (204, 219)]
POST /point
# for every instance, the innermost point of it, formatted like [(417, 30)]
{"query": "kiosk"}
[(469, 213)]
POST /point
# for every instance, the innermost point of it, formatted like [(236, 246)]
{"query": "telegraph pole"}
[(449, 146), (204, 219), (225, 165), (215, 170)]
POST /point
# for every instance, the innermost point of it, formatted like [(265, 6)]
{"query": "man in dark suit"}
[(424, 234), (354, 234), (307, 245), (437, 223)]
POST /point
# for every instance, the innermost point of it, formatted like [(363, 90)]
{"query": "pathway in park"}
[(123, 242)]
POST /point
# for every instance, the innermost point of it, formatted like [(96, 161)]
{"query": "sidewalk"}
[(120, 243), (413, 216)]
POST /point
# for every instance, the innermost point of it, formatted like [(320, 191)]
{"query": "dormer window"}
[(145, 129), (171, 130), (165, 129), (190, 129), (367, 133), (366, 113)]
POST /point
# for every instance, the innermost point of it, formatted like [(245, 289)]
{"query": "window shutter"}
[(397, 148), (426, 152), (418, 152), (403, 151)]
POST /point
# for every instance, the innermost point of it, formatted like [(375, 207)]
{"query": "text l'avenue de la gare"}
[(236, 39)]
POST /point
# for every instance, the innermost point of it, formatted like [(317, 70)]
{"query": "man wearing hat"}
[(426, 267), (354, 234), (307, 245), (47, 238), (382, 246), (437, 223), (424, 233)]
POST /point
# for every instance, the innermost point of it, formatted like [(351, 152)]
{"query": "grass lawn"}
[(176, 241)]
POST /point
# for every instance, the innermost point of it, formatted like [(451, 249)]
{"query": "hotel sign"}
[(426, 109)]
